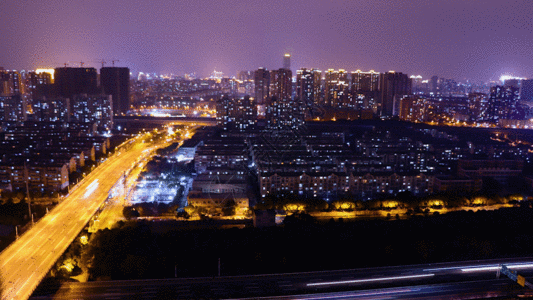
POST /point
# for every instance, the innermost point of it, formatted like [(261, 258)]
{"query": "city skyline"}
[(476, 40)]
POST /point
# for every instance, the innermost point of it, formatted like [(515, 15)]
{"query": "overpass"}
[(138, 121), (27, 260)]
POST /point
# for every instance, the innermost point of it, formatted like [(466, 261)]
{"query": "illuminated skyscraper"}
[(365, 81), (502, 103), (287, 61), (364, 87), (336, 88), (116, 82), (308, 86), (281, 84), (262, 90)]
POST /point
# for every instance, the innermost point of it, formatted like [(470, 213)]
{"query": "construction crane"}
[(100, 62), (113, 62)]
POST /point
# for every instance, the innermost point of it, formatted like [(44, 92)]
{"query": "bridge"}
[(128, 120)]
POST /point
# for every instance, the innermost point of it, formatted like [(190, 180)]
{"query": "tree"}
[(130, 212), (229, 208)]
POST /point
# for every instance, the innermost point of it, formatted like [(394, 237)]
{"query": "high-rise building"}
[(13, 108), (336, 91), (281, 84), (365, 81), (502, 103), (417, 85), (262, 90), (246, 75), (287, 61), (478, 105), (10, 82), (308, 86), (74, 81), (116, 82), (407, 109), (393, 86), (526, 90), (434, 85), (37, 83)]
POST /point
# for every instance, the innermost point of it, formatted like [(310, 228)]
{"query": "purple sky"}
[(461, 39)]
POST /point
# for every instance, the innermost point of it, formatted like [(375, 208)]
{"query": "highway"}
[(26, 261), (458, 280)]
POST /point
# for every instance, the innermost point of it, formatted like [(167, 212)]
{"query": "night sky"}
[(460, 39)]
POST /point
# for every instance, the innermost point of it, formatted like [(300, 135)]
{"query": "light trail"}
[(364, 294), (371, 279), (91, 188), (497, 267)]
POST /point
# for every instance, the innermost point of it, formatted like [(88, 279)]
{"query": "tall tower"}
[(287, 61), (262, 90), (116, 82)]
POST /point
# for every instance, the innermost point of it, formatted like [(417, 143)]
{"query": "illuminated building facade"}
[(502, 103), (262, 89), (309, 86), (336, 90), (53, 109), (13, 108), (287, 61), (478, 106), (93, 109), (364, 90), (281, 84), (10, 83), (236, 113), (364, 81)]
